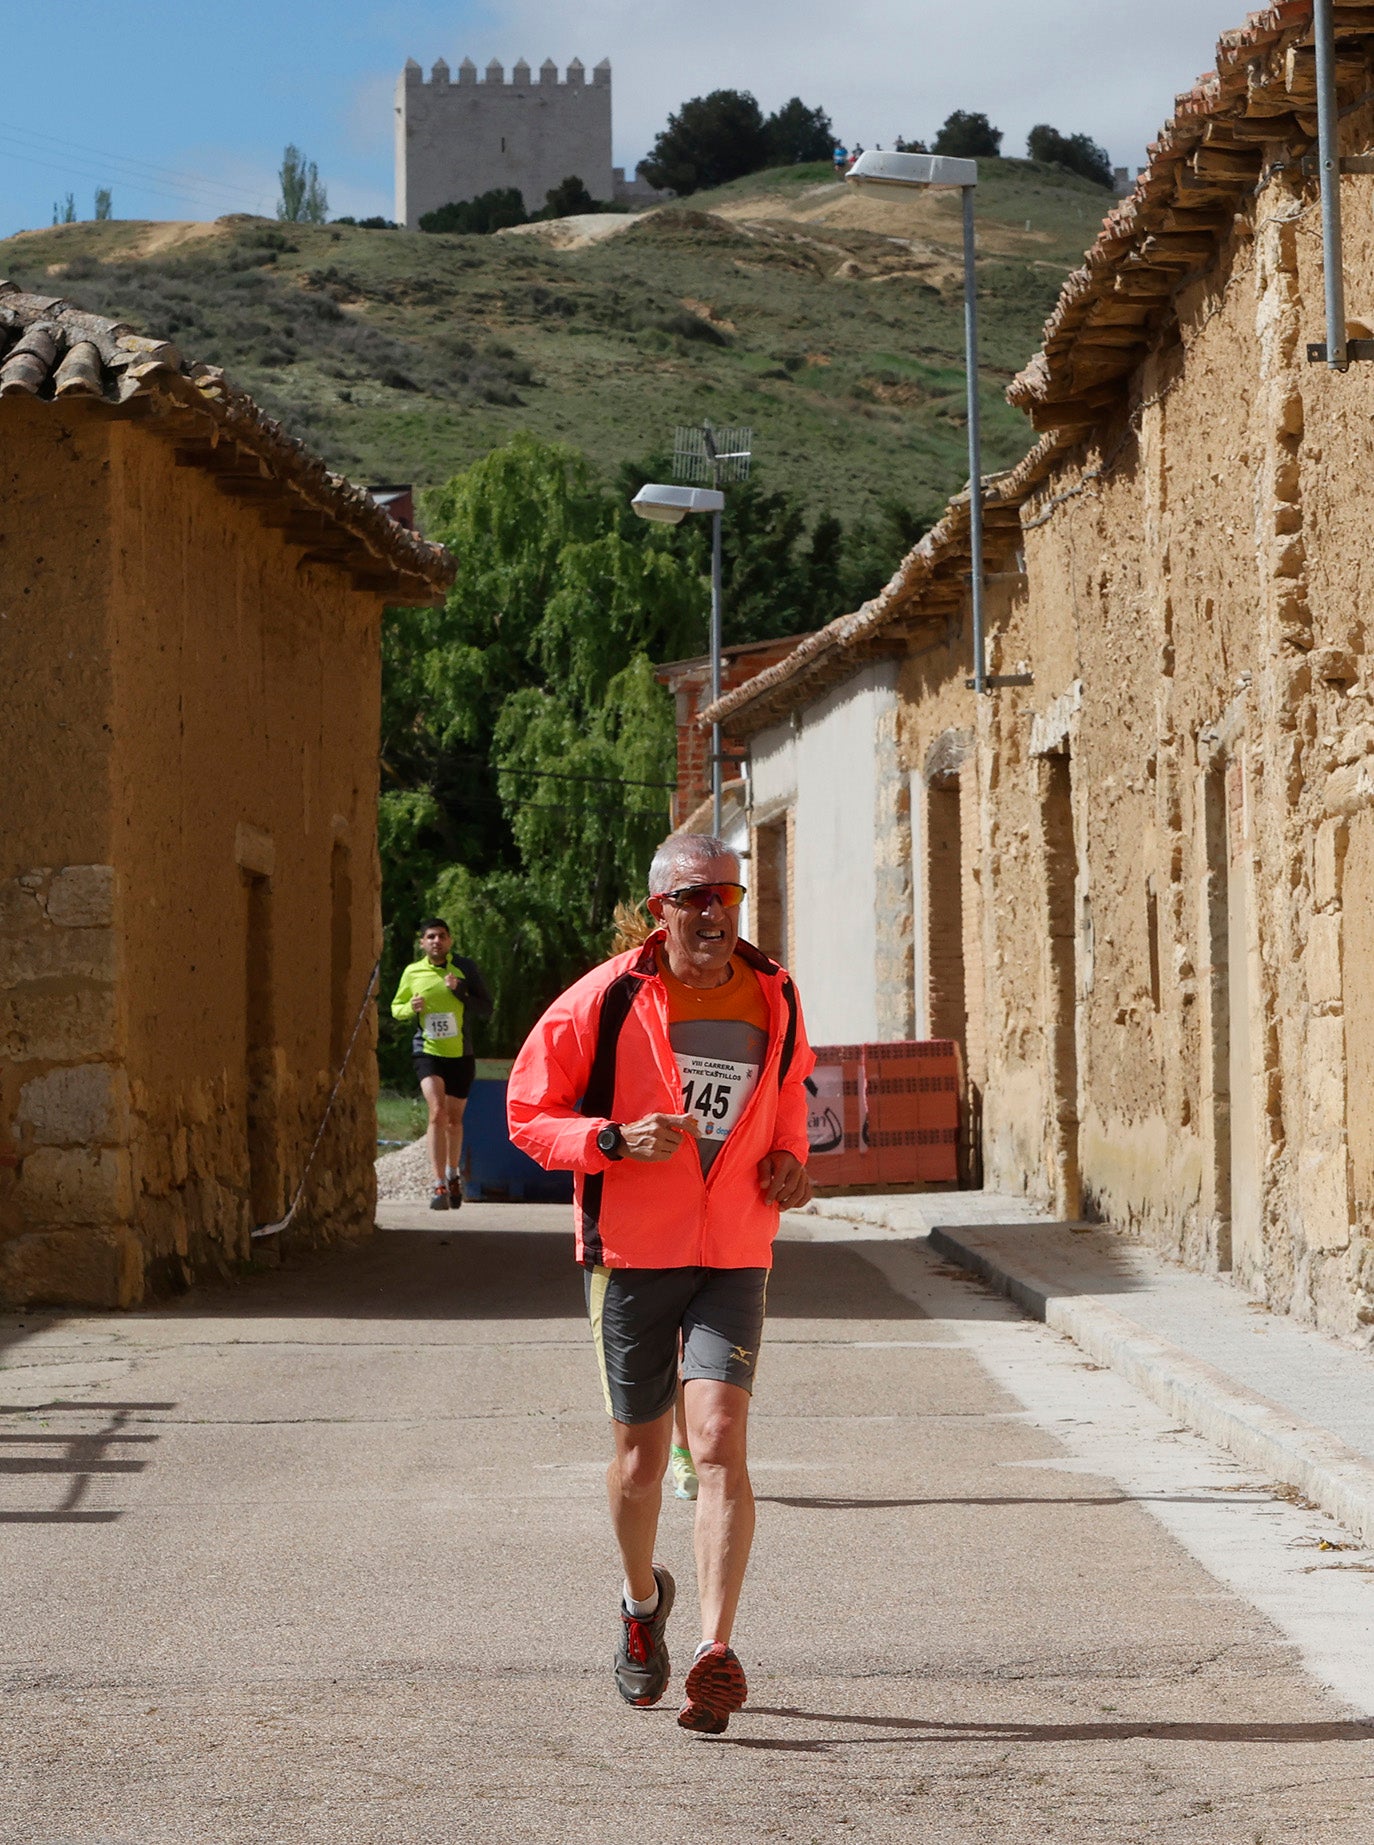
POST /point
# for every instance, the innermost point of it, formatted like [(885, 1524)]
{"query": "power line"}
[(102, 176), (559, 775), (145, 174)]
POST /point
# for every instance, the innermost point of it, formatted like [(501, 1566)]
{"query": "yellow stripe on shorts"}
[(600, 1281)]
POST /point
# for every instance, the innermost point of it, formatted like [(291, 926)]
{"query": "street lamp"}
[(897, 172), (670, 506)]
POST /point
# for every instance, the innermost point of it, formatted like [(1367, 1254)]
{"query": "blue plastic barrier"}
[(492, 1168)]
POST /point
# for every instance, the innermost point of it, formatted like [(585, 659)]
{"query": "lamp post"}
[(670, 506), (898, 172)]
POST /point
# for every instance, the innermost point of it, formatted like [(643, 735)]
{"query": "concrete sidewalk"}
[(1279, 1395)]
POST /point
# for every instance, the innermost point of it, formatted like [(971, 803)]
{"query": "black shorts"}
[(457, 1072), (637, 1315)]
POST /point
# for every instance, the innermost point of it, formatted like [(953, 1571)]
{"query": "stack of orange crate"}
[(836, 1124), (912, 1090)]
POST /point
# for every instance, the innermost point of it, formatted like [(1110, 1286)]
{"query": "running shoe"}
[(641, 1658), (455, 1192), (438, 1198), (683, 1474), (714, 1690)]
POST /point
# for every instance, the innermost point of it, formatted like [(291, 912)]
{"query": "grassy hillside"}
[(830, 321)]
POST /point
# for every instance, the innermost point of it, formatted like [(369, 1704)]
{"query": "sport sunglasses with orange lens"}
[(702, 896)]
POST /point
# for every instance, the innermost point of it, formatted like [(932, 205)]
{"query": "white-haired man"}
[(669, 1080)]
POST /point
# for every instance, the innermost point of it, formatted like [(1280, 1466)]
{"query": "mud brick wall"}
[(188, 872)]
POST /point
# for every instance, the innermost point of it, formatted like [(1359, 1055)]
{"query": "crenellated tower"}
[(459, 136)]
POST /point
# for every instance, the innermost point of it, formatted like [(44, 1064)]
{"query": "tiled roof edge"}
[(52, 350)]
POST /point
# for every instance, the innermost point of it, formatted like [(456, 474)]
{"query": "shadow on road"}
[(82, 1456), (507, 1275), (823, 1504), (932, 1729)]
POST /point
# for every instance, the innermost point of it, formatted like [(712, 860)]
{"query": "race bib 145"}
[(716, 1091)]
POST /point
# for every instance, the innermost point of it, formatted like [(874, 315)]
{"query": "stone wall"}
[(188, 879), (458, 139), (1177, 851)]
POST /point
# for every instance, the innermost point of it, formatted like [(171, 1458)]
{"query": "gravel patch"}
[(405, 1173)]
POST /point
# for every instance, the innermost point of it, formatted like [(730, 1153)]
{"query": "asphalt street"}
[(324, 1557)]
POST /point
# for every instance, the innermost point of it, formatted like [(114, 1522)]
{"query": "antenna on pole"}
[(714, 456)]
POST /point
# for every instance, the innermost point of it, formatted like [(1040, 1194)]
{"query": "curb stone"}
[(1285, 1448)]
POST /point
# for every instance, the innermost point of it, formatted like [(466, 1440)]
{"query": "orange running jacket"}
[(601, 1054)]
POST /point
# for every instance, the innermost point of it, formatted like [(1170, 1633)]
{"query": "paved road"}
[(324, 1558)]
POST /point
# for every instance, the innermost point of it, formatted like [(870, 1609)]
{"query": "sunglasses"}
[(702, 896)]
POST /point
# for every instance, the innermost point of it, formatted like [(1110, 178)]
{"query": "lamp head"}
[(671, 505), (890, 171)]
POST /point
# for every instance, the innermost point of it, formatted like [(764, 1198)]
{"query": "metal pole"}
[(975, 441), (1329, 162), (715, 671)]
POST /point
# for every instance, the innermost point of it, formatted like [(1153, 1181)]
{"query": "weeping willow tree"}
[(527, 749)]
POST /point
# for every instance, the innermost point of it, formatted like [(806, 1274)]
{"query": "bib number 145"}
[(710, 1100)]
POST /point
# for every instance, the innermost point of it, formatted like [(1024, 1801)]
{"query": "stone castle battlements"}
[(461, 134)]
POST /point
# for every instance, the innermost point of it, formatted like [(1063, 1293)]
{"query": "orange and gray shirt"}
[(604, 1053)]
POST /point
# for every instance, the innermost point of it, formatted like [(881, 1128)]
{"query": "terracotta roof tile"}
[(50, 350)]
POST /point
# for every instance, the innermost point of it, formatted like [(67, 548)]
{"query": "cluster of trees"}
[(714, 139), (504, 206), (969, 135), (303, 198), (527, 750), (64, 211), (1075, 153)]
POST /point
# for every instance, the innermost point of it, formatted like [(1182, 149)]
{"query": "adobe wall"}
[(458, 139), (1194, 940), (60, 1018), (246, 701), (187, 862)]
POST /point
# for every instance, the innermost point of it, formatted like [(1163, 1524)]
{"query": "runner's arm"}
[(477, 999), (400, 1006), (789, 1133), (547, 1080)]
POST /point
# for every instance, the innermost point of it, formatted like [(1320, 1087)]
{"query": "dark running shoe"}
[(438, 1198), (641, 1658), (714, 1690), (455, 1193)]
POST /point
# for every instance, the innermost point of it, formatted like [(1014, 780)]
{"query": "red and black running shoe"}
[(641, 1655), (715, 1689)]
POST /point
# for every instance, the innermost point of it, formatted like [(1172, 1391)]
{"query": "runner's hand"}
[(418, 1003), (656, 1137), (784, 1180), (453, 982)]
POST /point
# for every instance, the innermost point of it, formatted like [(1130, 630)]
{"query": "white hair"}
[(682, 849)]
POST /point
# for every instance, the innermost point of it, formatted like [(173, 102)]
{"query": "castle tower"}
[(455, 140)]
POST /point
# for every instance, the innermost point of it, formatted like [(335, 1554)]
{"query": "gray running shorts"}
[(637, 1315)]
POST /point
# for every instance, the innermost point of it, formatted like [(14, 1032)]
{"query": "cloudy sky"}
[(184, 111)]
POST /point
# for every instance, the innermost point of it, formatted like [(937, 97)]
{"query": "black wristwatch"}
[(611, 1141)]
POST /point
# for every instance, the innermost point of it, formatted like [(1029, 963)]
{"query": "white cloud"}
[(881, 67)]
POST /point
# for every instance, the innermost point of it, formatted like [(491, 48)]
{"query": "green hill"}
[(831, 321)]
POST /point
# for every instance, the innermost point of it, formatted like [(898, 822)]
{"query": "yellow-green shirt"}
[(441, 1022)]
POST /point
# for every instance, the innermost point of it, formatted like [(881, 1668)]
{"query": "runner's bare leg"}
[(436, 1134), (717, 1429), (456, 1108), (634, 1486)]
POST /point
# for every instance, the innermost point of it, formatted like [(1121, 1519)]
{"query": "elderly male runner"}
[(670, 1081)]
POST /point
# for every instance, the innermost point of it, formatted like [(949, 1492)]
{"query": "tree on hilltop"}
[(303, 199), (968, 135), (568, 199), (796, 134), (708, 142), (1075, 153), (490, 211)]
